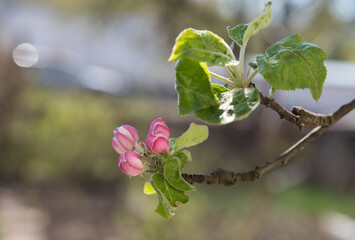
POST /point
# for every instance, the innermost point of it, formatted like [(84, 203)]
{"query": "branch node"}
[(301, 126)]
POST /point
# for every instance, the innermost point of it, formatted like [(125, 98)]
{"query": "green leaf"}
[(183, 157), (218, 90), (271, 91), (193, 86), (148, 189), (187, 154), (202, 46), (164, 208), (172, 143), (193, 136), (172, 173), (173, 196), (242, 32), (237, 33), (235, 105), (262, 21), (188, 157), (253, 65), (292, 63)]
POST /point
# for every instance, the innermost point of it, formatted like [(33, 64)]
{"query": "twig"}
[(229, 178), (298, 116)]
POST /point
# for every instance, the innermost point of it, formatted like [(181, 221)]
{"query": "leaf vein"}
[(309, 67)]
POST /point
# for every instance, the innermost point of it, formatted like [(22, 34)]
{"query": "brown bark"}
[(299, 117)]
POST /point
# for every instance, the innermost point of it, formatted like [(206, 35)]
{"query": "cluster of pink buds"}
[(125, 142)]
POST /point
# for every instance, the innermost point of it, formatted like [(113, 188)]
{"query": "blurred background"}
[(72, 71)]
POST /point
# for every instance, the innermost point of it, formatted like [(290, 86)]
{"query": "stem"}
[(229, 178), (234, 74), (241, 62), (224, 79), (251, 77)]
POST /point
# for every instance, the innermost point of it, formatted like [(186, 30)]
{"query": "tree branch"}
[(298, 116), (229, 178)]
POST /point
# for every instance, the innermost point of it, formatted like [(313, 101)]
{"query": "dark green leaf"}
[(193, 136), (253, 65), (202, 46), (183, 157), (292, 63), (173, 196), (235, 105), (237, 33), (163, 208), (193, 86), (172, 173)]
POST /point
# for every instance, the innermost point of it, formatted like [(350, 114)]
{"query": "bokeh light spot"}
[(25, 55)]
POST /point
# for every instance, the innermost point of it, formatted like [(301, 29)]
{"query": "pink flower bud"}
[(130, 163), (124, 139), (160, 125), (156, 142)]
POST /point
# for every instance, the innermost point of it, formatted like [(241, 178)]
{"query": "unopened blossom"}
[(159, 124), (157, 142), (124, 139), (130, 163)]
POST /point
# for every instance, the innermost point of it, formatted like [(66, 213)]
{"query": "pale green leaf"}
[(262, 21), (193, 86), (193, 136), (202, 46), (188, 155), (292, 63)]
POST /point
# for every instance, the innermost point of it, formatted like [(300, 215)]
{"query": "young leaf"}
[(242, 32), (149, 189), (202, 46), (172, 173), (173, 196), (253, 65), (262, 21), (188, 156), (292, 63), (172, 143), (235, 105), (163, 208), (183, 157), (193, 136), (193, 86), (237, 33)]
